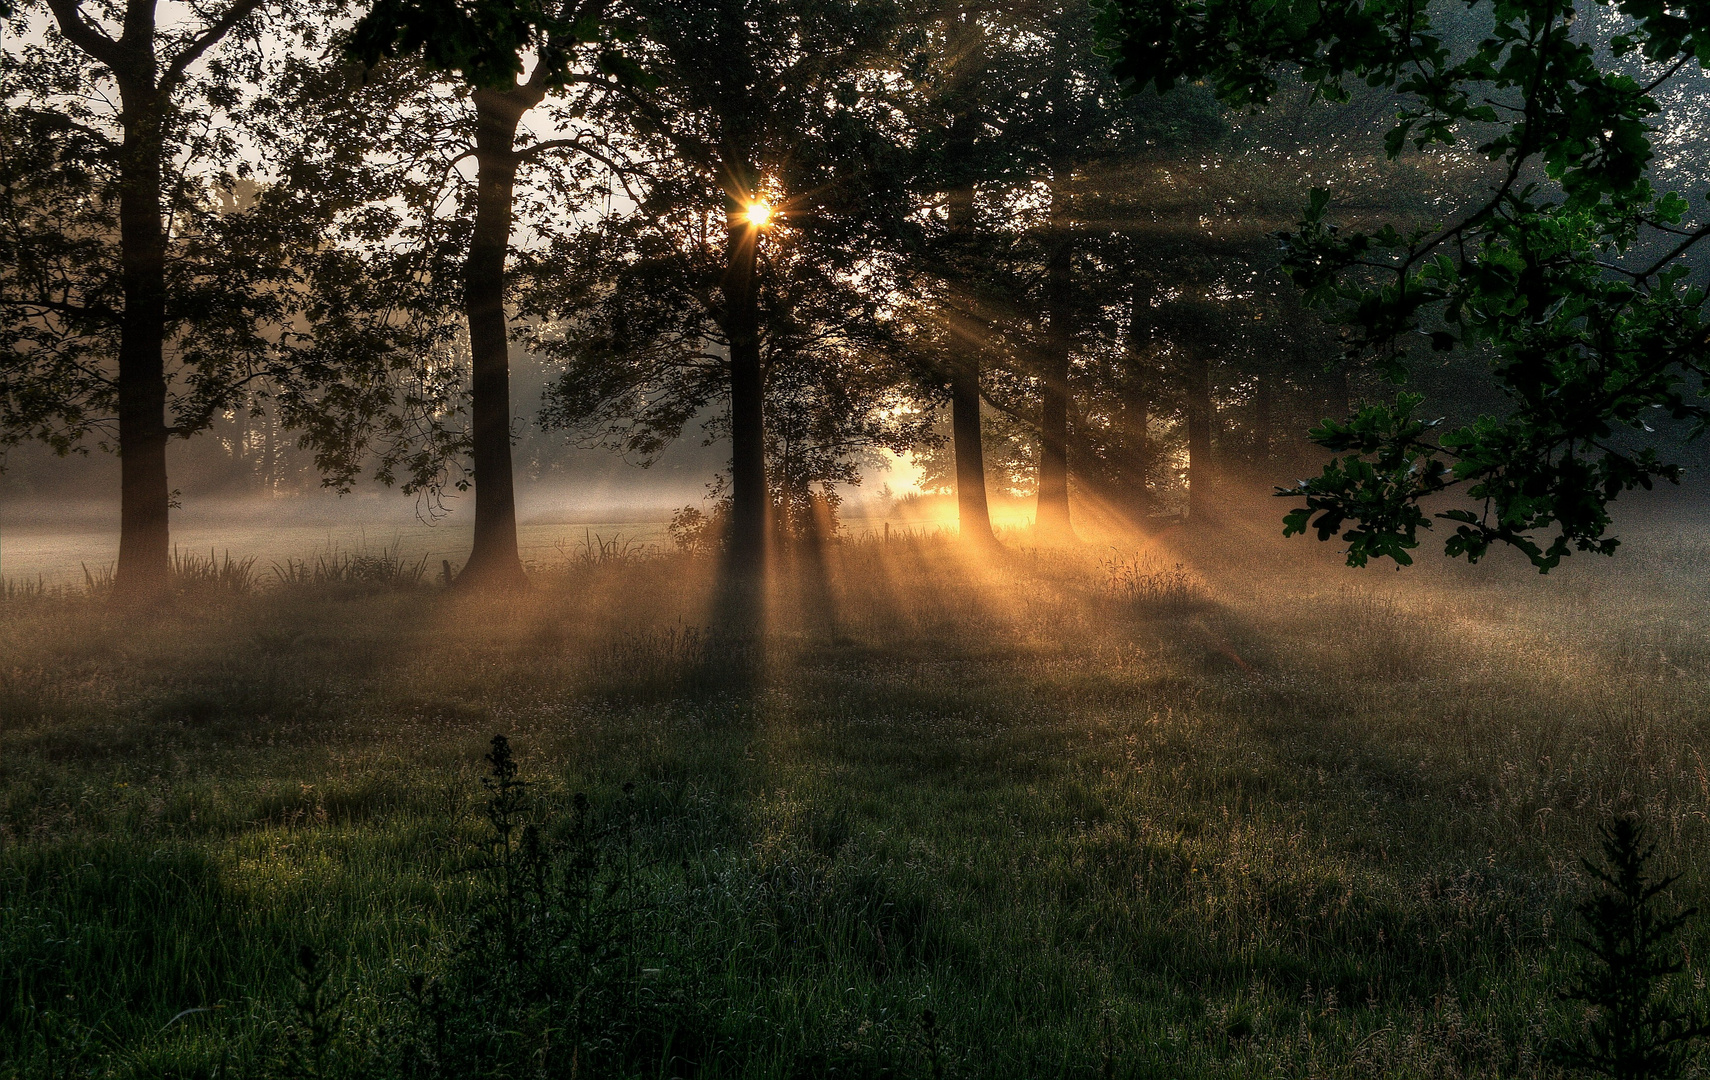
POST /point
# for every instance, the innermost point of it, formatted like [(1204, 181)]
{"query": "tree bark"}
[(145, 565), (749, 501), (1051, 520), (493, 558), (145, 88), (1137, 389), (1196, 392), (1263, 391), (1136, 424), (972, 511)]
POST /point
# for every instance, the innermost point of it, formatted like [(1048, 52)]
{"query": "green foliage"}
[(290, 296), (1380, 496), (482, 41), (632, 305), (1638, 1032), (1570, 273)]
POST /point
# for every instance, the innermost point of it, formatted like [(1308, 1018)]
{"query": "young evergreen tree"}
[(1630, 949)]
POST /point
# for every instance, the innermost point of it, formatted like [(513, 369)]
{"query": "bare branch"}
[(85, 34), (531, 152)]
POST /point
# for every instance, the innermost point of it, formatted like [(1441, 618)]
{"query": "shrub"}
[(547, 978)]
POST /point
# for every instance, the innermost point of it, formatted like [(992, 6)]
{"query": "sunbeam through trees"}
[(762, 538)]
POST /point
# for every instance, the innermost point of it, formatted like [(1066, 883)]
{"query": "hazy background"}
[(246, 488)]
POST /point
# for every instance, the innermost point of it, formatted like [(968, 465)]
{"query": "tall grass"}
[(1147, 579), (385, 568), (1213, 807), (595, 550), (190, 570), (16, 589), (97, 584)]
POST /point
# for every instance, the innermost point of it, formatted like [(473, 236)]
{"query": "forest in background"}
[(964, 189), (438, 248)]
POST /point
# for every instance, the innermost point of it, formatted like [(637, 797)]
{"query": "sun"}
[(759, 213)]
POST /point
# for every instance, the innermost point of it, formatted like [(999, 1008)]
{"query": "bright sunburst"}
[(759, 213)]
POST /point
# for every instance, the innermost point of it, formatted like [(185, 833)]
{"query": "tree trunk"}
[(1263, 392), (493, 559), (748, 496), (1339, 396), (1196, 392), (973, 513), (1137, 388), (144, 568), (1136, 424), (1051, 520)]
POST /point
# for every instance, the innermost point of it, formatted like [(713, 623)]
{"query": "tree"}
[(1638, 1032), (95, 291), (192, 254), (631, 307), (752, 264), (1571, 272), (484, 44), (975, 68), (1022, 277)]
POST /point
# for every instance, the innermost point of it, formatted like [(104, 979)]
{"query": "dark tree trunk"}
[(1196, 392), (493, 559), (1136, 422), (973, 513), (1137, 388), (1340, 396), (1052, 517), (1263, 391), (748, 496), (144, 568)]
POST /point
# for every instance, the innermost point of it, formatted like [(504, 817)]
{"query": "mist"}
[(765, 539)]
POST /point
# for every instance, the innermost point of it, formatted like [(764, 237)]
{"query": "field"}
[(1206, 804)]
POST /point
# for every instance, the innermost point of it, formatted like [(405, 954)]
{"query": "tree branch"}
[(529, 153), (63, 308), (175, 68), (85, 34)]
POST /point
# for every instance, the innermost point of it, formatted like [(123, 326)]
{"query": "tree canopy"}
[(1571, 272)]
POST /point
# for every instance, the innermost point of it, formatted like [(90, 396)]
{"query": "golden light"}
[(759, 213)]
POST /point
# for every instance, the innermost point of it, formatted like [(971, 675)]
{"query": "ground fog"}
[(1204, 803)]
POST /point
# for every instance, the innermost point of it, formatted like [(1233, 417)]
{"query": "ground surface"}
[(1206, 806)]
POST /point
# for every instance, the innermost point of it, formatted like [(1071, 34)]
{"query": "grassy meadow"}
[(1201, 804)]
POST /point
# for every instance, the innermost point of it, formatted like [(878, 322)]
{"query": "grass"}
[(1205, 806), (385, 568)]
